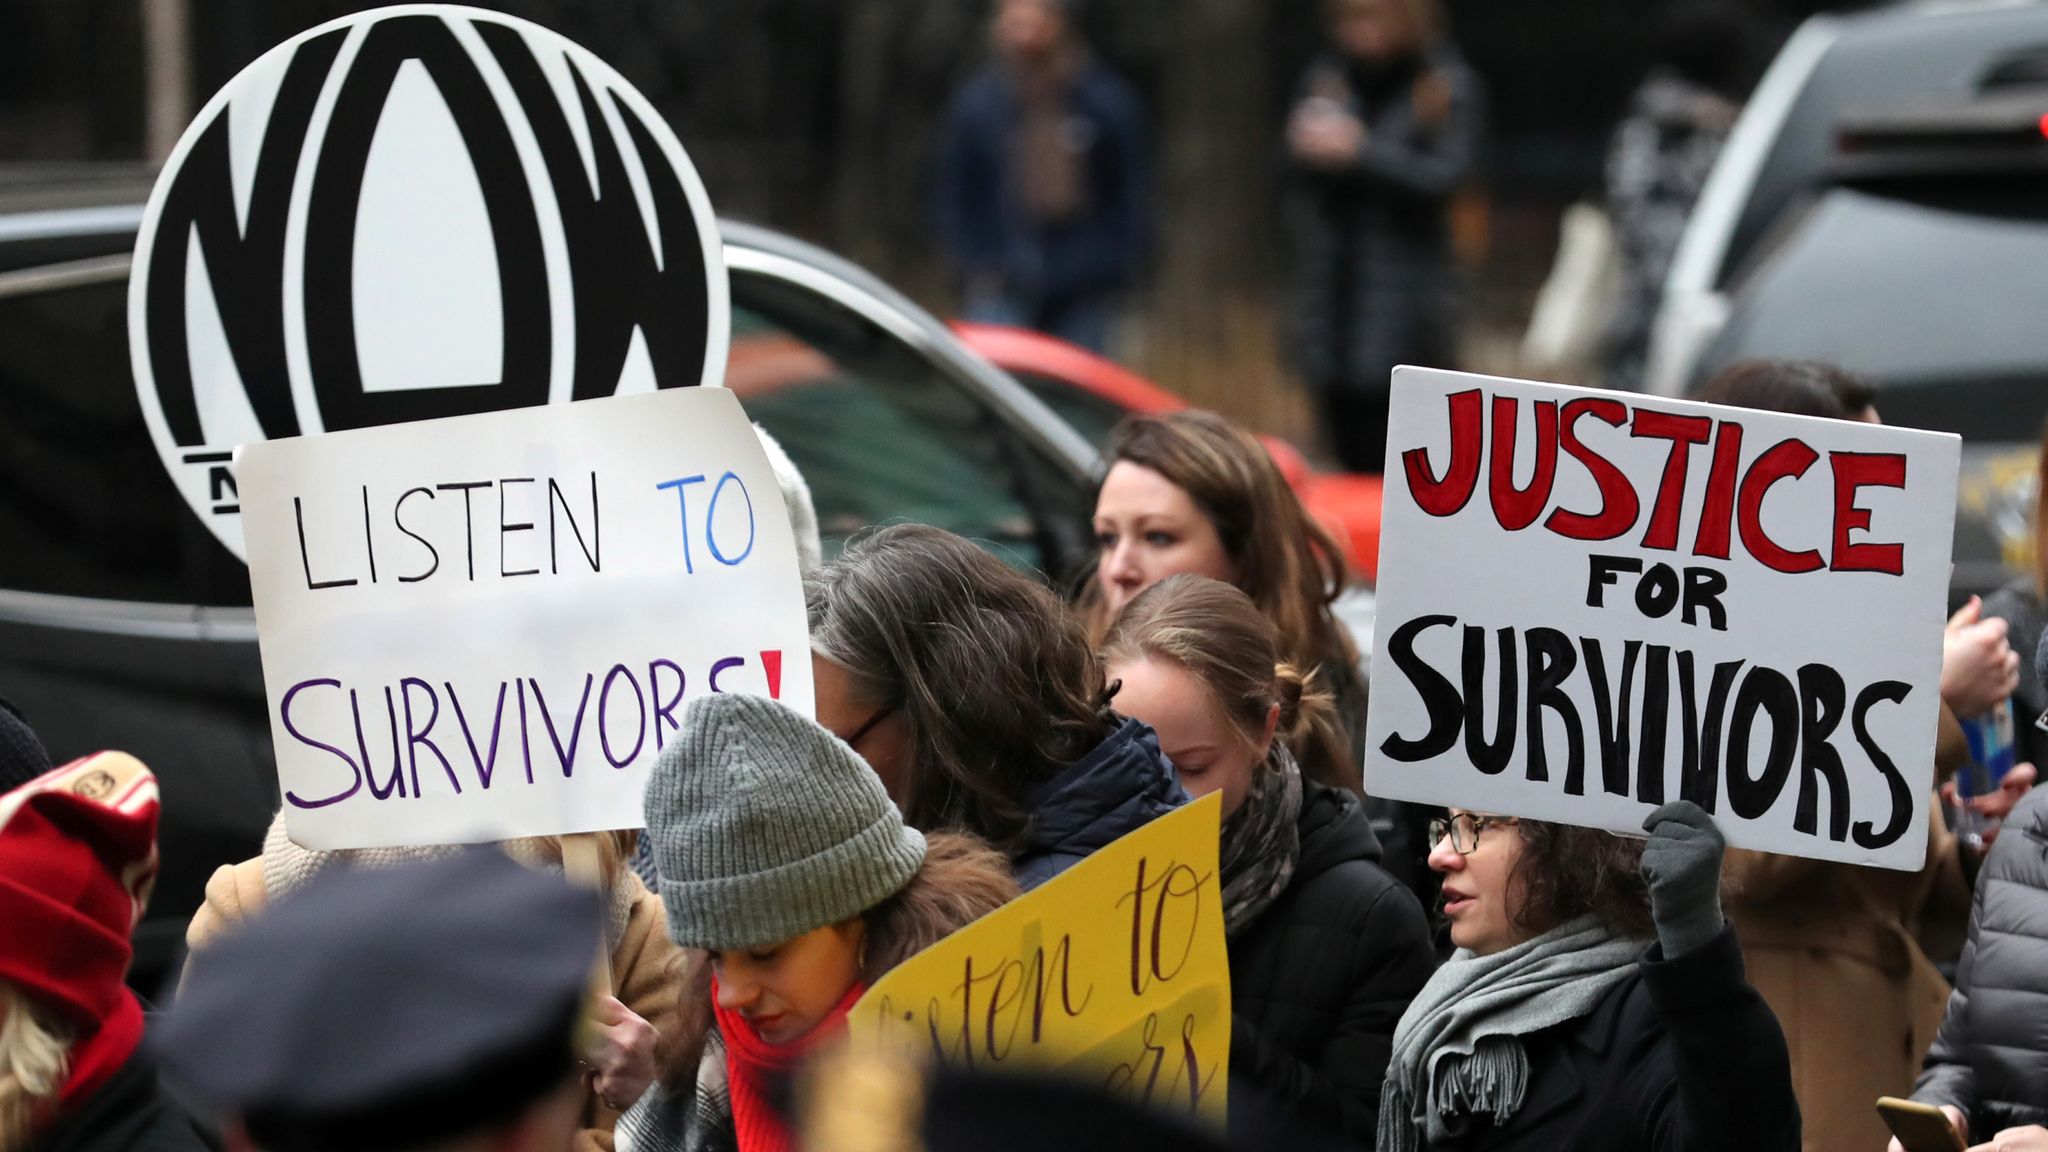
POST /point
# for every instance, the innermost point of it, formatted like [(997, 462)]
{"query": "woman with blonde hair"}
[(1326, 948), (78, 859)]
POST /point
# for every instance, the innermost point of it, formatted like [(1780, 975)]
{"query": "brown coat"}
[(640, 963), (1833, 949)]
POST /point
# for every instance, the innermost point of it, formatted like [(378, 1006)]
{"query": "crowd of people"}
[(975, 736)]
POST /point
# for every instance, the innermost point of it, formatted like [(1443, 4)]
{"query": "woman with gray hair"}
[(974, 693)]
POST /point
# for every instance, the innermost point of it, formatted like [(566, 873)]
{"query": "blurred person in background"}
[(1326, 948), (621, 1043), (1385, 128), (78, 857), (1836, 949), (433, 1004), (793, 883), (1659, 160), (1596, 1001), (975, 695), (1043, 195), (2020, 605)]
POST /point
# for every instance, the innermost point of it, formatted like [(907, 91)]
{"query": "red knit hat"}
[(77, 861)]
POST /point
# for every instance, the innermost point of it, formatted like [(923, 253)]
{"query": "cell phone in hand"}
[(1919, 1127)]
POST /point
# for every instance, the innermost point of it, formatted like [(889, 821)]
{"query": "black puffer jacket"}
[(1991, 1056), (1120, 786), (1319, 980)]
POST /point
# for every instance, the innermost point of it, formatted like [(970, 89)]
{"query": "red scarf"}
[(752, 1066)]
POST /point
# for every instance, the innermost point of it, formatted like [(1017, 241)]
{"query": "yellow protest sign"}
[(1115, 969)]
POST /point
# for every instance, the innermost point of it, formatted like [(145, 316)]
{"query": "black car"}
[(125, 624)]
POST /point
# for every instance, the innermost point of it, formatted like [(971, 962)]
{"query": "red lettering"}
[(1683, 432), (1717, 510), (1618, 504), (1786, 460), (1854, 470), (1517, 508), (1445, 496)]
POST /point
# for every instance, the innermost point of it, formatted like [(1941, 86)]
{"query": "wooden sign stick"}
[(583, 864)]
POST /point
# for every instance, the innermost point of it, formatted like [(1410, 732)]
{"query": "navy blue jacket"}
[(980, 212), (1122, 785)]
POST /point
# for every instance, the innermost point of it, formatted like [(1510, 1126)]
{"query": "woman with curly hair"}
[(1596, 1001)]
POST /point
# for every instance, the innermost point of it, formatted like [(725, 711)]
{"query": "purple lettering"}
[(414, 737), (604, 697), (486, 766), (664, 710), (284, 710), (566, 756)]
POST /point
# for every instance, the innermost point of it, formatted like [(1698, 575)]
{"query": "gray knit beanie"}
[(766, 826)]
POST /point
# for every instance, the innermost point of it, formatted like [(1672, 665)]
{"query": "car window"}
[(880, 432), (86, 508), (1091, 415), (1855, 280)]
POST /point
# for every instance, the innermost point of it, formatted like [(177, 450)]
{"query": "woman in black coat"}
[(1326, 948), (1596, 1001), (1384, 131)]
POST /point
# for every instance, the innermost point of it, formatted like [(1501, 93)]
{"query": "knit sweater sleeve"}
[(234, 893), (1732, 1086)]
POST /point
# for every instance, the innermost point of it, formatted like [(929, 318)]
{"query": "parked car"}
[(1092, 393), (124, 623), (1921, 264), (1897, 57)]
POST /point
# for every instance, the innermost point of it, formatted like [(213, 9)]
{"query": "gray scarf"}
[(1261, 841), (1458, 1050)]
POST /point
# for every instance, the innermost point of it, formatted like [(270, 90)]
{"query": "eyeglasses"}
[(853, 741), (1464, 830)]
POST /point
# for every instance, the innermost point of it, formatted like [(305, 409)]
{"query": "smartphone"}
[(1919, 1127)]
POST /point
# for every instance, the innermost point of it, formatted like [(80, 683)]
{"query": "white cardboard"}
[(680, 577), (1867, 627)]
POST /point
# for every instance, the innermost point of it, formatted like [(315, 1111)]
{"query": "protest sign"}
[(408, 213), (1591, 603), (486, 626), (1116, 969)]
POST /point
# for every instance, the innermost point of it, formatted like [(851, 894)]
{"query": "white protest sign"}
[(1594, 602), (409, 213), (486, 626)]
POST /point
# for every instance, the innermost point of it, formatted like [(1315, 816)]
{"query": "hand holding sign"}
[(1115, 969), (1591, 604), (525, 687)]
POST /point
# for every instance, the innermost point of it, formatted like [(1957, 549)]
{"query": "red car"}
[(1092, 394)]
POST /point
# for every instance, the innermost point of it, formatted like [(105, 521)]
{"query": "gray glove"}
[(1682, 865)]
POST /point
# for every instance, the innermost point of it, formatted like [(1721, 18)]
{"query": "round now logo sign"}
[(409, 213)]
